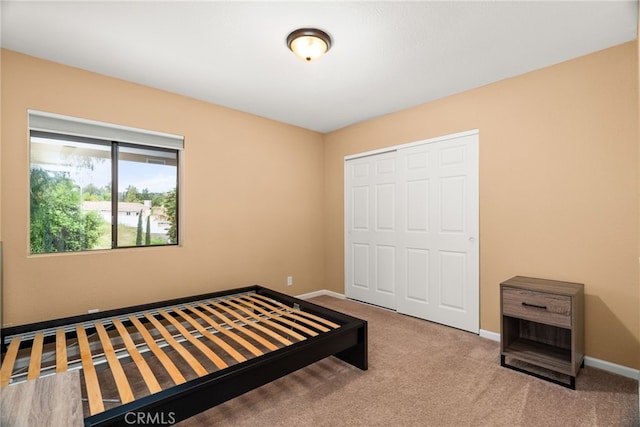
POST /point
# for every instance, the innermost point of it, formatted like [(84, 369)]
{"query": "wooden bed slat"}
[(9, 360), (188, 357), (300, 312), (226, 347), (36, 357), (94, 395), (146, 372), (171, 368), (122, 384), (245, 329), (266, 321), (61, 351), (238, 305), (217, 360), (234, 336), (251, 305), (268, 305)]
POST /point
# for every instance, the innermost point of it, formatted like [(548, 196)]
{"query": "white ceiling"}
[(386, 56)]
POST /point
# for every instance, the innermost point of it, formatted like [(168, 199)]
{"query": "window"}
[(93, 187)]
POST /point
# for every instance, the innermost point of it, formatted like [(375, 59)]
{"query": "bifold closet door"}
[(371, 249), (411, 230)]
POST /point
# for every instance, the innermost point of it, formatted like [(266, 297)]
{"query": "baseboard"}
[(612, 367), (494, 336), (321, 293)]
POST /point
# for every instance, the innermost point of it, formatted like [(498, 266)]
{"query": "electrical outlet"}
[(93, 310), (289, 280)]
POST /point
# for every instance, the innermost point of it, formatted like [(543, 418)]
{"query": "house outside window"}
[(93, 187)]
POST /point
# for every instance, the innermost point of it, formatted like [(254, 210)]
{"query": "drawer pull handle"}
[(541, 307)]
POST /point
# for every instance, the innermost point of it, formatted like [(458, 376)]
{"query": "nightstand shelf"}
[(547, 356), (542, 325)]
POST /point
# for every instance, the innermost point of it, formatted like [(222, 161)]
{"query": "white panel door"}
[(438, 253), (411, 230), (371, 246)]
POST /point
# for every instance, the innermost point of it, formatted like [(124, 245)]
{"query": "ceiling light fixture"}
[(309, 43)]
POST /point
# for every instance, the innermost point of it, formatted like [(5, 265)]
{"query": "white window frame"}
[(79, 127)]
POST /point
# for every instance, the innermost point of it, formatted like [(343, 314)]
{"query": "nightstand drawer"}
[(539, 307)]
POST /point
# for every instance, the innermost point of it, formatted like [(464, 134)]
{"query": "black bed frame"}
[(348, 343)]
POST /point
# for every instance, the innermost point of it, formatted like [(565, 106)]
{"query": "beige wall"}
[(252, 199), (558, 186), (638, 171), (559, 192)]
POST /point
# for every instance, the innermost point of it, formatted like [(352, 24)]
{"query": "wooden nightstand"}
[(542, 323)]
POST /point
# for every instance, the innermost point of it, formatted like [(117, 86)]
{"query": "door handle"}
[(471, 238)]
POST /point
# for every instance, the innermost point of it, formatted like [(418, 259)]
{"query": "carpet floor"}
[(425, 374)]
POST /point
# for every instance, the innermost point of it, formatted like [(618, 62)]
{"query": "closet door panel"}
[(371, 229), (440, 211)]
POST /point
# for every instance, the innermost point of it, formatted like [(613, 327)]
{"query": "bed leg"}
[(357, 355)]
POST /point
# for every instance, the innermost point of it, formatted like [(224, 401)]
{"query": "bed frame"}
[(192, 353)]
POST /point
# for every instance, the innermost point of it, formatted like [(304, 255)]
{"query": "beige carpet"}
[(425, 374)]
